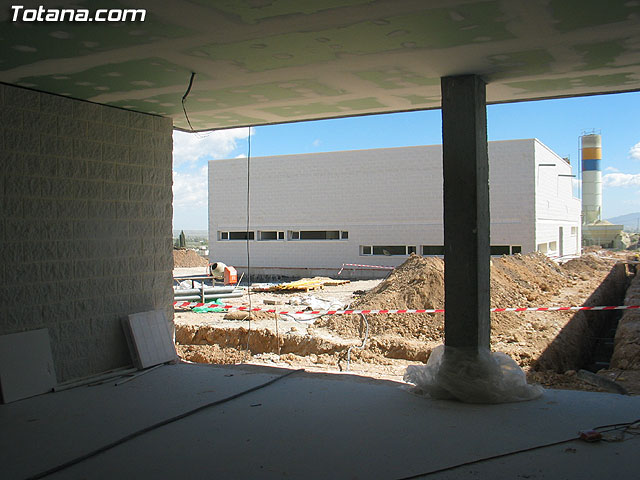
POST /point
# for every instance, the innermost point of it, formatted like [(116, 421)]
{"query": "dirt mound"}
[(519, 280), (188, 258), (584, 266), (417, 283)]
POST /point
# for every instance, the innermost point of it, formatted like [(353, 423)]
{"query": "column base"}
[(472, 375)]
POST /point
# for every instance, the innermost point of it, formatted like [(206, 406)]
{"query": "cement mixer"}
[(202, 291), (220, 271)]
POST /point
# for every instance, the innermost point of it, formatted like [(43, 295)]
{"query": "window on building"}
[(236, 235), (500, 250), (270, 235), (553, 246), (542, 248), (574, 231), (390, 250), (318, 235), (495, 249), (432, 249), (387, 250)]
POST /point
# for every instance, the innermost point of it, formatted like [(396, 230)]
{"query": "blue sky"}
[(557, 123)]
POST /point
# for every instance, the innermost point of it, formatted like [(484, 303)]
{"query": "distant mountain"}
[(630, 221)]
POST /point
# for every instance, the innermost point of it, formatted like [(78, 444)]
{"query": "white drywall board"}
[(150, 338), (26, 365)]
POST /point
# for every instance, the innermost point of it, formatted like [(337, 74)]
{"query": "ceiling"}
[(272, 61)]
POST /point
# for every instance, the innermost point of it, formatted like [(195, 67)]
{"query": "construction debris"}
[(271, 301), (303, 285), (396, 341), (333, 283)]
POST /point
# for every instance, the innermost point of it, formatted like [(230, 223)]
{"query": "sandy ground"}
[(396, 341), (286, 326)]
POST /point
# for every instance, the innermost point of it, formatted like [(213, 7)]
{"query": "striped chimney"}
[(591, 178)]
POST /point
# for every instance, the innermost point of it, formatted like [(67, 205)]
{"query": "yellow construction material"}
[(300, 285), (333, 283)]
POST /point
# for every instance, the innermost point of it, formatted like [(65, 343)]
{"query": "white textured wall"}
[(555, 205), (511, 193), (85, 224), (382, 197)]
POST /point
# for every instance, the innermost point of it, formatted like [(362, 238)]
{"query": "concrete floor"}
[(306, 426)]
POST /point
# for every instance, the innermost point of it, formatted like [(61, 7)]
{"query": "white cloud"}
[(190, 189), (621, 180), (611, 169), (317, 142), (634, 152), (191, 147)]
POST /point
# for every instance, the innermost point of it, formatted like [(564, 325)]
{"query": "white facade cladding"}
[(311, 213), (557, 221)]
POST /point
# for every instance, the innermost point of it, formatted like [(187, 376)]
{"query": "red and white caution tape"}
[(393, 311)]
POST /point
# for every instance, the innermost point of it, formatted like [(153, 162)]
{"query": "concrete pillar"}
[(466, 212)]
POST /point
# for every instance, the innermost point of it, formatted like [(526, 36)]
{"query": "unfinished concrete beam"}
[(466, 212)]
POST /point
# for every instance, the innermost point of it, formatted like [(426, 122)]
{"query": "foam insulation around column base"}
[(472, 376)]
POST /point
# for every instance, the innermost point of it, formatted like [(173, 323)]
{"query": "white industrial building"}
[(311, 213)]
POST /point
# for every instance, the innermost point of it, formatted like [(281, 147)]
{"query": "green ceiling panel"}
[(436, 28), (420, 100), (390, 78), (279, 51), (518, 64), (256, 94), (113, 77), (24, 42), (166, 105), (568, 84), (318, 108), (217, 119), (269, 61), (220, 99), (464, 24), (576, 14), (602, 54), (252, 12)]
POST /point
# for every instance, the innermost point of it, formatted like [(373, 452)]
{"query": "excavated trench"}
[(587, 341), (626, 354), (266, 341)]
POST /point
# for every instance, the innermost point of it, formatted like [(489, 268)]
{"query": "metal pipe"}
[(193, 277), (207, 290), (211, 297)]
